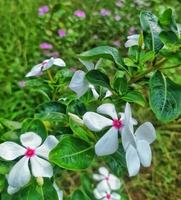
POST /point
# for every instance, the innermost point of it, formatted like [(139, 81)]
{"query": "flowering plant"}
[(86, 117)]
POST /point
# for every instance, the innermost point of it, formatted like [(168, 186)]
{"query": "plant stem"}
[(154, 67), (50, 75)]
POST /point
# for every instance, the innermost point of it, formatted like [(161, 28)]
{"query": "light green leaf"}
[(72, 153), (135, 97)]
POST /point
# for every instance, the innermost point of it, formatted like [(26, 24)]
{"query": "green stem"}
[(50, 75)]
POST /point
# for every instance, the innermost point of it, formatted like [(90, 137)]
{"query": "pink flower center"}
[(107, 178), (117, 124), (29, 152), (108, 196)]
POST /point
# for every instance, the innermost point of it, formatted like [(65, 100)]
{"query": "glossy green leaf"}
[(135, 97), (166, 17), (72, 153), (164, 97), (120, 83), (79, 195), (98, 78), (149, 23), (104, 52)]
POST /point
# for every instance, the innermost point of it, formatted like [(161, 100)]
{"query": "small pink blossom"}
[(72, 69), (21, 84), (54, 54), (42, 10), (117, 17), (46, 45), (116, 43), (105, 12), (61, 32), (132, 31), (80, 13)]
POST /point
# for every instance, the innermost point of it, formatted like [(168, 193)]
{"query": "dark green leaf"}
[(120, 83), (72, 153), (79, 195), (166, 17), (135, 97), (149, 23), (98, 78), (164, 97), (104, 52)]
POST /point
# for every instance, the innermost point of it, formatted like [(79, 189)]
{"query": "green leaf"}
[(13, 125), (117, 162), (34, 125), (51, 116), (166, 17), (5, 167), (164, 97), (52, 106), (72, 153), (98, 78), (104, 52), (147, 56), (149, 23), (77, 107), (120, 83), (80, 131), (79, 195), (135, 97), (2, 182)]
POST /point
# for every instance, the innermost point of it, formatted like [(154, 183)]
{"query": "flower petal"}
[(11, 190), (103, 171), (114, 182), (41, 167), (35, 71), (59, 192), (98, 194), (128, 117), (30, 139), (88, 64), (108, 143), (44, 150), (132, 161), (11, 150), (115, 196), (108, 109), (59, 62), (144, 152), (98, 177), (127, 137), (96, 122), (146, 132), (94, 92), (78, 83), (19, 175), (47, 63)]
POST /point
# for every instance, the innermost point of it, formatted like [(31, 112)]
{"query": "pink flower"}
[(117, 17), (105, 12), (42, 10), (132, 31), (116, 43), (61, 32), (72, 69), (46, 45), (80, 13), (21, 84)]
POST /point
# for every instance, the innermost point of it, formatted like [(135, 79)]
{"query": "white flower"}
[(106, 178), (79, 84), (32, 152), (108, 144), (37, 70), (137, 147), (59, 192), (104, 192), (132, 40)]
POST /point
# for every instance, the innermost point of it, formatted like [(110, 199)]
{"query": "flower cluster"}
[(108, 184), (136, 145), (31, 152)]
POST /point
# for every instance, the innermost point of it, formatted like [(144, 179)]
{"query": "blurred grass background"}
[(22, 31)]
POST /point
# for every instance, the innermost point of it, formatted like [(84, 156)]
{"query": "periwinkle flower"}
[(33, 153), (61, 32), (80, 13), (43, 10), (105, 12), (45, 45)]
